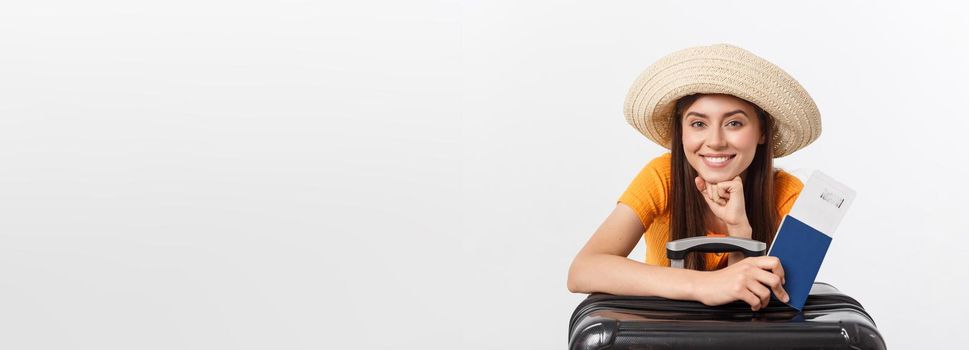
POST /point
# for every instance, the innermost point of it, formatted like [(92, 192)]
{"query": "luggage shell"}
[(830, 320)]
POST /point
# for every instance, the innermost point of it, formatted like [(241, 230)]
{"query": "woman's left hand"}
[(726, 201)]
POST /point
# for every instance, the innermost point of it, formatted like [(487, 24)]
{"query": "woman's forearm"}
[(620, 275), (742, 230)]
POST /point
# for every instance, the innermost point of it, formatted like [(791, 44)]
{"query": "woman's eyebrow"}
[(735, 112), (701, 115)]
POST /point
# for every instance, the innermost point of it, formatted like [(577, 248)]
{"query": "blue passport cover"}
[(801, 250)]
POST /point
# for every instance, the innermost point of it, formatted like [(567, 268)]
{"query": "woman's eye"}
[(735, 123), (694, 124)]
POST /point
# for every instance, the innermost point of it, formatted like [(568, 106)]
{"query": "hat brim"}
[(722, 69)]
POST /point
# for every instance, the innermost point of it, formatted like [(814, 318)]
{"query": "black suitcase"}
[(829, 320)]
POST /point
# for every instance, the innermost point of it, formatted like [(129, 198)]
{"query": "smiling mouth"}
[(717, 160)]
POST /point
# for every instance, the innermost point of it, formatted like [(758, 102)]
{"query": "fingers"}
[(714, 193), (774, 282), (707, 190), (750, 298), (734, 185), (721, 192), (770, 263), (762, 293)]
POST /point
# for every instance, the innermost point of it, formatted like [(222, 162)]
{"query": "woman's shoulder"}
[(785, 182), (787, 187), (662, 162), (658, 169), (650, 187)]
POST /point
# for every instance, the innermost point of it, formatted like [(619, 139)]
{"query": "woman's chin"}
[(716, 178)]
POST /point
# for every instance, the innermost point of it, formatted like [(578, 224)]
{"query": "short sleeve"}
[(648, 193)]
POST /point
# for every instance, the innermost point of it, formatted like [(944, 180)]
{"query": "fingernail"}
[(787, 298)]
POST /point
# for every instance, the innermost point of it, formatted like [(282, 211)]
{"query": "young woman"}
[(724, 113)]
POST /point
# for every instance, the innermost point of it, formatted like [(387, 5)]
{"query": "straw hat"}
[(722, 69)]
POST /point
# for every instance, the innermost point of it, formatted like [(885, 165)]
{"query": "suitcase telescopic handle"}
[(676, 250)]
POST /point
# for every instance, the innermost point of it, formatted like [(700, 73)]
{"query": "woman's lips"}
[(718, 162)]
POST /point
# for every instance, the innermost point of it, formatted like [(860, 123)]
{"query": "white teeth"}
[(717, 159)]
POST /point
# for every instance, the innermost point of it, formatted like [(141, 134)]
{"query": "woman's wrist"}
[(742, 230), (693, 281)]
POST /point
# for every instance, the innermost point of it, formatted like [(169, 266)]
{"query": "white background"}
[(307, 175)]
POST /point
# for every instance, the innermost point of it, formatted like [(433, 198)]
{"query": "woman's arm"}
[(726, 200), (602, 264)]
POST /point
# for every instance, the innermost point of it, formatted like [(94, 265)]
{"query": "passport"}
[(806, 232)]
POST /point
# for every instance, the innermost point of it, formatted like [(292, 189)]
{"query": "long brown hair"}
[(687, 203)]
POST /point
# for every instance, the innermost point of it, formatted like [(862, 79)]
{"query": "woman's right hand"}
[(750, 280)]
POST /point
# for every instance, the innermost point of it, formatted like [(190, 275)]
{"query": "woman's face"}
[(720, 136)]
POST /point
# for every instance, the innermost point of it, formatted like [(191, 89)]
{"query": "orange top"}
[(648, 195)]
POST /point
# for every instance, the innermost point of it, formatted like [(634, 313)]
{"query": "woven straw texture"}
[(722, 69)]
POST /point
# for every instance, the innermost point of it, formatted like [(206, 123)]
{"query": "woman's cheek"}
[(746, 140), (692, 143)]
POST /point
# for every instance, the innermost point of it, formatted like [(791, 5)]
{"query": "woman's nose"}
[(716, 140)]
